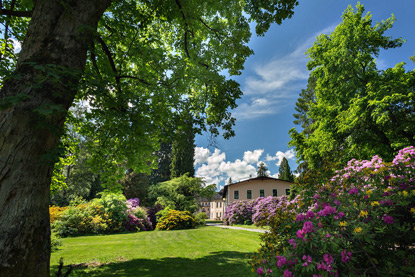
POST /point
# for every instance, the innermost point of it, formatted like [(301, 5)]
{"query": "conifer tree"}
[(262, 170), (285, 171), (183, 150)]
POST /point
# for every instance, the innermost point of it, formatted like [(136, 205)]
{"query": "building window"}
[(275, 192), (249, 194), (217, 204), (287, 191), (261, 193), (236, 194), (216, 215)]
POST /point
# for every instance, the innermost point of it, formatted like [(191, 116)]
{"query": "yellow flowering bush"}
[(176, 220), (85, 218), (55, 212)]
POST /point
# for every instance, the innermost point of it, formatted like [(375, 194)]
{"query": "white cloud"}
[(214, 168), (276, 175), (201, 155), (237, 170), (289, 154), (216, 158), (253, 156)]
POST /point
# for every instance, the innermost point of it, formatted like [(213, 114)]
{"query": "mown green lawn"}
[(206, 251), (253, 226)]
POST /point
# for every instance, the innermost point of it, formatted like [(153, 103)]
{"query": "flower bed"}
[(360, 223), (111, 213)]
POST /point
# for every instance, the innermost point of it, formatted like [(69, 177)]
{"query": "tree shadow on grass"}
[(226, 263)]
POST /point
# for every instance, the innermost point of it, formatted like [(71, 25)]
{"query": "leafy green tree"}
[(135, 63), (79, 180), (262, 170), (285, 171), (181, 193), (358, 110)]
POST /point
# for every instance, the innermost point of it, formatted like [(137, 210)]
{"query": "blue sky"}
[(274, 77)]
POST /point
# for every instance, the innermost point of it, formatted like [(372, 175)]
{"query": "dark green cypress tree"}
[(183, 150), (285, 171)]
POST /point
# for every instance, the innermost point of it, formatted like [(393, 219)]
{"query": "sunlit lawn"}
[(251, 227), (207, 251)]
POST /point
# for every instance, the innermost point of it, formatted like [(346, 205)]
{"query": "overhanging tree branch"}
[(111, 61), (16, 13)]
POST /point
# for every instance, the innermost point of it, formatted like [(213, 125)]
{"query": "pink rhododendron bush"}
[(360, 223), (258, 211)]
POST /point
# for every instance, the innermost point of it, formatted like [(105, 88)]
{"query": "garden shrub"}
[(87, 218), (116, 206), (362, 222), (55, 241), (239, 212), (265, 208), (176, 220), (55, 212), (137, 219), (152, 213), (200, 219)]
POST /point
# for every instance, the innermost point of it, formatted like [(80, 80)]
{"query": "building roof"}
[(262, 178)]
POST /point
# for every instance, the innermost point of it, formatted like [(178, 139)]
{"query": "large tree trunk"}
[(30, 130)]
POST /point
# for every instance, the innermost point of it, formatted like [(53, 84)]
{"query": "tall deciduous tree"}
[(285, 172), (135, 62), (359, 111)]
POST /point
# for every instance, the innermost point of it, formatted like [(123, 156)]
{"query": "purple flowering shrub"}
[(239, 212), (137, 219), (264, 209), (360, 223), (259, 211)]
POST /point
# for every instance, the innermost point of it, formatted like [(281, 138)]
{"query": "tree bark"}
[(30, 130)]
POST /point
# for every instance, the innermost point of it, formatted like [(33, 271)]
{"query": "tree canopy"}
[(352, 109), (136, 64), (181, 193)]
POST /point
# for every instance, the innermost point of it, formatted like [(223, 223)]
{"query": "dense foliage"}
[(361, 222), (176, 220), (351, 109), (181, 193), (111, 213)]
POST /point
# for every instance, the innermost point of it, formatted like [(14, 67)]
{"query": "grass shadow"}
[(226, 263)]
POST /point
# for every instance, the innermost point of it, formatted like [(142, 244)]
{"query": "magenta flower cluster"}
[(360, 222), (137, 218), (259, 211)]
